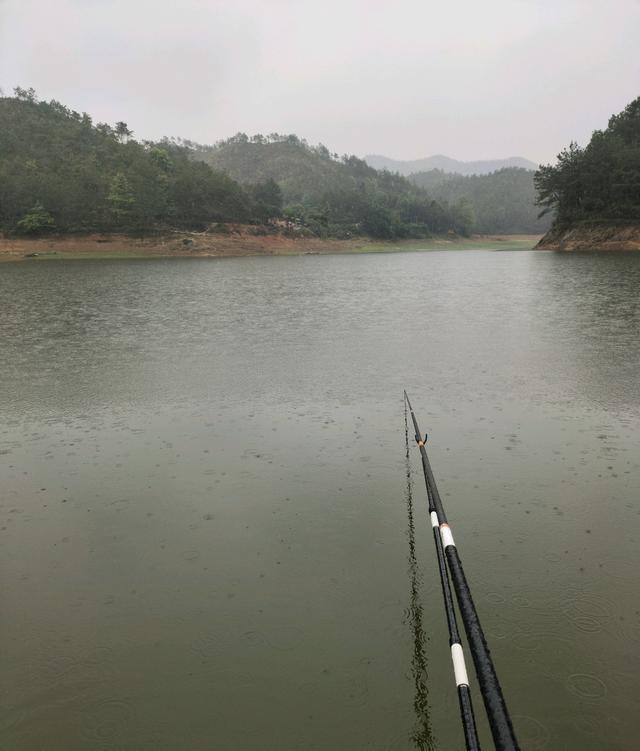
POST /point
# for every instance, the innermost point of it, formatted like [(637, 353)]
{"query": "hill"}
[(61, 172), (595, 191), (502, 202), (446, 164), (339, 195)]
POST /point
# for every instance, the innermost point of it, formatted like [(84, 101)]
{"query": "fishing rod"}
[(499, 721), (457, 655)]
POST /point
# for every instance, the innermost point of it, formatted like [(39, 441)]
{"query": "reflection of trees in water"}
[(421, 736)]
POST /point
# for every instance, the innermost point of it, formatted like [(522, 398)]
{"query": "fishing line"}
[(457, 654), (422, 736), (501, 728)]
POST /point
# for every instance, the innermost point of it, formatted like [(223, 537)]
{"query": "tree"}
[(560, 186), (267, 197), (627, 124), (105, 129), (600, 183), (120, 199), (122, 132), (160, 158), (463, 217), (25, 95), (378, 222), (36, 221)]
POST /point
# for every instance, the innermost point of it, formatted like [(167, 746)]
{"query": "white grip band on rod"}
[(459, 667), (447, 537)]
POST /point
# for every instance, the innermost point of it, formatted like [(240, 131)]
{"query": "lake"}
[(205, 538)]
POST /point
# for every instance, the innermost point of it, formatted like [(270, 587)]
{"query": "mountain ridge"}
[(446, 164)]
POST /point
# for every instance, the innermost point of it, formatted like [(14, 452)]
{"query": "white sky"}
[(473, 79)]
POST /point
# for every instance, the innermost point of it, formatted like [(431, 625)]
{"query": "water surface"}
[(208, 538)]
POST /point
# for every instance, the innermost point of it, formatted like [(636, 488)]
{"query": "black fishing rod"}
[(501, 728), (455, 643)]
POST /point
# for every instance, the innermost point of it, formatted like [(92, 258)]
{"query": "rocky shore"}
[(592, 237)]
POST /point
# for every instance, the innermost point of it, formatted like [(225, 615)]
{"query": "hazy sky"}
[(406, 78)]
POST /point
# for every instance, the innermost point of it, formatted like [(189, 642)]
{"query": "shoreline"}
[(599, 237), (203, 245)]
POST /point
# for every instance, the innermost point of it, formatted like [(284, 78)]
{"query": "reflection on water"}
[(422, 736)]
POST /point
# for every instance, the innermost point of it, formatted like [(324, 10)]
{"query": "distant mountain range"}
[(446, 164)]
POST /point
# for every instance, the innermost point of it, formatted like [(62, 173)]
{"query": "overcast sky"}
[(406, 78)]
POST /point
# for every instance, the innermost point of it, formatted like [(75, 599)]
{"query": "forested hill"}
[(598, 184), (502, 202), (60, 172), (303, 172), (342, 195), (447, 164)]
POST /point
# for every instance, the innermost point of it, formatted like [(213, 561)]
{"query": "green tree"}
[(463, 218), (502, 202), (267, 197), (378, 222), (36, 221), (600, 183), (122, 132), (25, 95), (121, 200)]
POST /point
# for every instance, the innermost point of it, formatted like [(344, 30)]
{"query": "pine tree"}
[(120, 200)]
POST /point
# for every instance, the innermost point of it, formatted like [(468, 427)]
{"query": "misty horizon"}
[(391, 157), (475, 83)]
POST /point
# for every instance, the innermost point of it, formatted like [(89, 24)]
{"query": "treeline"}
[(61, 172), (501, 202), (334, 195), (599, 183)]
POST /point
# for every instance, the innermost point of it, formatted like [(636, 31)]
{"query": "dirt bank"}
[(592, 237), (182, 244), (240, 243)]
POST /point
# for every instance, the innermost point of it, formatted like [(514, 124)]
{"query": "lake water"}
[(204, 534)]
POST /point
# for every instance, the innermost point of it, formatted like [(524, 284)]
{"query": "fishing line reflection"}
[(421, 735)]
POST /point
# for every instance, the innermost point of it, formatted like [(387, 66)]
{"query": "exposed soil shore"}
[(592, 237), (183, 244), (240, 243)]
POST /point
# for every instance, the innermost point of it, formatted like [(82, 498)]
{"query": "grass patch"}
[(515, 242)]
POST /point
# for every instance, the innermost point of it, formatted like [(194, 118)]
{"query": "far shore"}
[(205, 245)]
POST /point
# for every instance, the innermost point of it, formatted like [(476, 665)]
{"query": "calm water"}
[(205, 537)]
